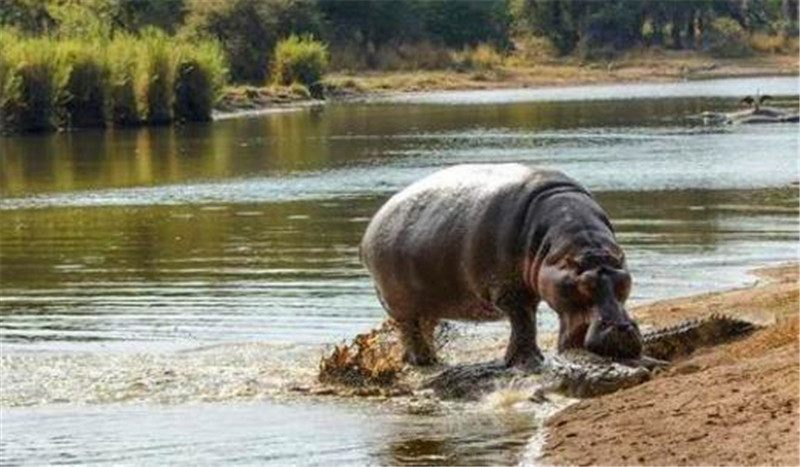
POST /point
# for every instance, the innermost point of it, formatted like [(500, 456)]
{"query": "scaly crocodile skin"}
[(579, 373)]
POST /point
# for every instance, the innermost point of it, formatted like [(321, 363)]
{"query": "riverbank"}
[(650, 66), (735, 404)]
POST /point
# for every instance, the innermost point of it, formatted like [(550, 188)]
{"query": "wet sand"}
[(735, 404)]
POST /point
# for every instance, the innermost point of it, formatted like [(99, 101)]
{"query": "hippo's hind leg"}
[(417, 337), (522, 350)]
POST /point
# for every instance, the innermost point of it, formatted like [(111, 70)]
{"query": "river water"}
[(162, 288)]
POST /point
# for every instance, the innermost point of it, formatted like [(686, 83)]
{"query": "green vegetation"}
[(124, 108), (615, 25), (200, 75), (32, 80), (728, 39), (299, 60), (81, 102), (94, 62), (51, 82)]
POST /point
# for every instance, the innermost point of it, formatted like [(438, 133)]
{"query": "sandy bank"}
[(735, 404)]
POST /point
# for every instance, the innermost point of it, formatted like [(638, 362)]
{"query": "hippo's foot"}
[(420, 357), (528, 360), (417, 337)]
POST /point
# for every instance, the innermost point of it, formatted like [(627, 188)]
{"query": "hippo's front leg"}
[(522, 350)]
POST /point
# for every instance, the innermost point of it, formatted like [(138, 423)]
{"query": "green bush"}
[(155, 78), (249, 29), (484, 57), (123, 53), (51, 82), (200, 74), (728, 39), (82, 100), (299, 59), (32, 79)]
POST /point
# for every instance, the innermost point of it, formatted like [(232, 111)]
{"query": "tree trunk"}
[(677, 25), (690, 36)]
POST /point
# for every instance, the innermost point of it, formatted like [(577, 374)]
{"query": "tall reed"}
[(200, 74), (32, 78), (155, 77), (82, 101), (50, 82), (123, 53)]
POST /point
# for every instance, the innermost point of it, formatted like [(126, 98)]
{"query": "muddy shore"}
[(735, 404)]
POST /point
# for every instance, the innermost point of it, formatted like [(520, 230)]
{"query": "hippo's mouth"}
[(615, 340)]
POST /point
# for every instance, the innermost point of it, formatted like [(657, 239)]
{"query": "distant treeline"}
[(359, 32), (154, 61)]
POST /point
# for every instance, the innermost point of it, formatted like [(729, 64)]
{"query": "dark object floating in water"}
[(754, 114)]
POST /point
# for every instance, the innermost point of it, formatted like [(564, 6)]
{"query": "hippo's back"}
[(441, 244)]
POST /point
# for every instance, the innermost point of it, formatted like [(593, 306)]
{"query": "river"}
[(162, 288)]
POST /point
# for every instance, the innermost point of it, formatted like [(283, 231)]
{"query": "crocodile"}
[(372, 364), (755, 113), (578, 373)]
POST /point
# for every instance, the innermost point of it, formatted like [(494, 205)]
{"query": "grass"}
[(299, 59), (124, 108), (48, 83), (155, 78), (774, 43), (82, 99), (200, 74), (32, 79)]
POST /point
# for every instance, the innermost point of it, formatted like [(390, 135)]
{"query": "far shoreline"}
[(663, 67)]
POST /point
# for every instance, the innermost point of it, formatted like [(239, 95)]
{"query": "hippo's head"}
[(589, 293)]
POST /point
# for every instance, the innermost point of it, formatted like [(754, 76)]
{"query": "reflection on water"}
[(241, 237)]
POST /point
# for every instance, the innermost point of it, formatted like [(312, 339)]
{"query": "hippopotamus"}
[(487, 242)]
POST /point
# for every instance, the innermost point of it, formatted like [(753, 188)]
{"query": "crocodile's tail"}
[(686, 337)]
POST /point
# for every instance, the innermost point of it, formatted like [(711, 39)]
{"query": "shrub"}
[(56, 82), (249, 29), (155, 78), (482, 58), (533, 49), (424, 55), (773, 43), (31, 83), (7, 38), (82, 100), (300, 59), (728, 39), (123, 53), (200, 74)]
